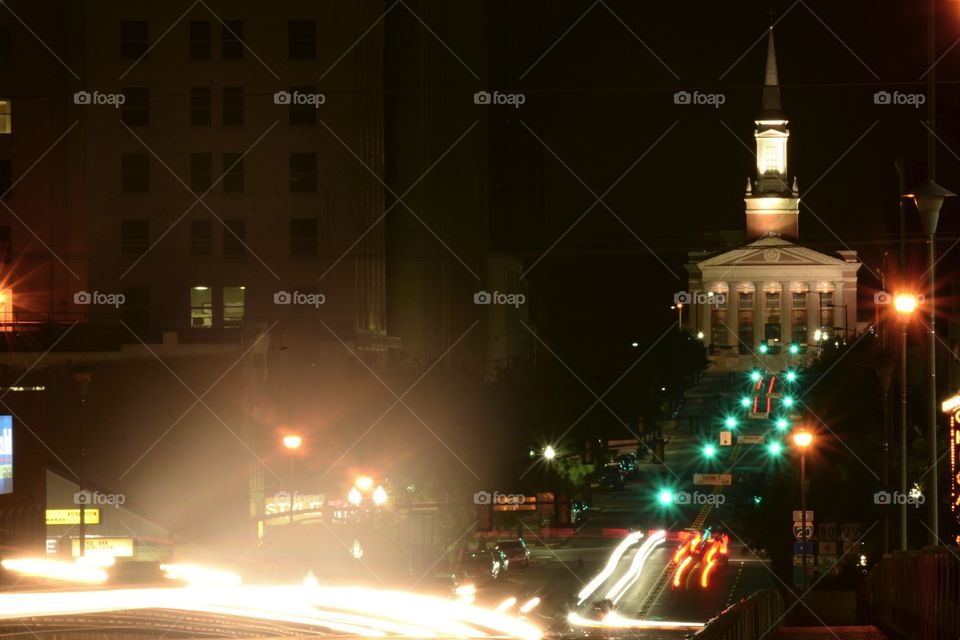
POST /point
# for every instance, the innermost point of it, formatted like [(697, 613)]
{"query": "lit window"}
[(771, 157), (233, 307), (201, 308), (6, 309), (5, 124)]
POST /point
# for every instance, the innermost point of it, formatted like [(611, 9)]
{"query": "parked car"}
[(478, 566), (516, 551), (612, 478)]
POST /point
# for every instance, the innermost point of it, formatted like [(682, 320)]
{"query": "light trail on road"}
[(355, 610)]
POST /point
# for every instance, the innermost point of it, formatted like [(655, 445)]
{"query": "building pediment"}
[(772, 252)]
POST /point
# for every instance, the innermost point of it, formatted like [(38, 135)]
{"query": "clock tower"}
[(773, 204)]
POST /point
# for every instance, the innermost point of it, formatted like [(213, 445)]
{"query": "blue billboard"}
[(6, 454)]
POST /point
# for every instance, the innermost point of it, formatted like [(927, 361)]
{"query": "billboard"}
[(6, 454)]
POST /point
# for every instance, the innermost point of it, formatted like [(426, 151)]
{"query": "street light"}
[(803, 440), (364, 483), (354, 497), (928, 198), (549, 453), (292, 442), (379, 496), (905, 305)]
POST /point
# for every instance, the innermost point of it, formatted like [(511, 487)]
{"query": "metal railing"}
[(916, 594), (752, 618)]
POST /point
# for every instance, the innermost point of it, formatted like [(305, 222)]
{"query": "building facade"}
[(771, 298)]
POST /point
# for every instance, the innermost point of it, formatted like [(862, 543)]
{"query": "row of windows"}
[(135, 237), (135, 39), (135, 111), (135, 172)]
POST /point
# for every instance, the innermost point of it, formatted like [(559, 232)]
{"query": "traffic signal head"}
[(755, 376), (782, 424), (744, 402), (665, 497), (791, 376), (730, 422), (794, 349), (775, 448), (788, 401), (709, 451), (763, 348)]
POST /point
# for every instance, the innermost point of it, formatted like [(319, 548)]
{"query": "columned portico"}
[(813, 312), (759, 313)]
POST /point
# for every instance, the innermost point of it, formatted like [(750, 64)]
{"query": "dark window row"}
[(135, 237), (135, 39), (135, 111), (135, 173)]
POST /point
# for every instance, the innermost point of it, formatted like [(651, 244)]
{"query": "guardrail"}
[(750, 619), (916, 594)]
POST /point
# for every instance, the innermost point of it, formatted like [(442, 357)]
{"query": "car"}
[(516, 551), (483, 565), (612, 478), (448, 585)]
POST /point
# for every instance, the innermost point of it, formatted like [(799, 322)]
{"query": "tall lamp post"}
[(82, 376), (292, 443), (905, 305), (929, 197), (802, 440)]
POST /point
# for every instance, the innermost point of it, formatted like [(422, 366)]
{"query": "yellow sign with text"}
[(117, 547), (72, 516)]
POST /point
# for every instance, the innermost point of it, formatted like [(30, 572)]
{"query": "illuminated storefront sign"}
[(117, 547), (279, 503), (952, 406), (6, 454), (72, 516)]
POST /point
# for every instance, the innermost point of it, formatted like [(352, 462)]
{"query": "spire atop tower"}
[(771, 109)]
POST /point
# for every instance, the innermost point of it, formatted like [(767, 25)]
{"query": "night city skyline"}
[(539, 318)]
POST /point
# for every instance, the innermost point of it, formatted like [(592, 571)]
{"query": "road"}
[(559, 570)]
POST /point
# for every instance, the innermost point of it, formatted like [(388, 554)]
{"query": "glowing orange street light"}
[(905, 304), (803, 439), (364, 483), (292, 441)]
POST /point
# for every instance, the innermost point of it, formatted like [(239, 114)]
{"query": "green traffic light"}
[(731, 422), (745, 402), (782, 424), (757, 499), (763, 348), (665, 497), (775, 448), (709, 451), (791, 376), (755, 375), (794, 349), (788, 401)]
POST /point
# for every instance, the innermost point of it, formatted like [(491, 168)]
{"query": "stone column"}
[(839, 312), (758, 312), (813, 312), (706, 313), (786, 315), (733, 316)]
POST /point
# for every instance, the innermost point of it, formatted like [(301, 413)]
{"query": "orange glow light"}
[(905, 303), (802, 439), (292, 441)]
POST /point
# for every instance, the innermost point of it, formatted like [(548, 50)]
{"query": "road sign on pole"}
[(798, 516), (798, 531), (713, 479)]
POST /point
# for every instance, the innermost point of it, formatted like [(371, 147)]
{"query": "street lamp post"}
[(802, 440), (929, 197), (83, 377), (905, 304), (292, 443)]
